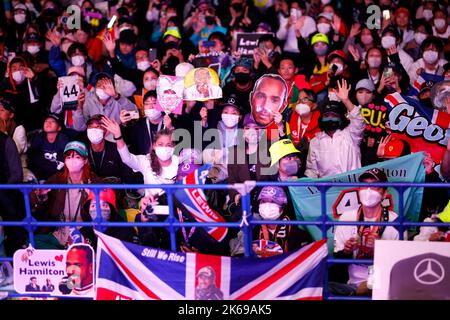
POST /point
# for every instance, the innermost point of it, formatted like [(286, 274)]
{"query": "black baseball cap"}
[(232, 101), (57, 117), (7, 105), (373, 173), (95, 117)]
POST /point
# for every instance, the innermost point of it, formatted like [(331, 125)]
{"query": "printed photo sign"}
[(247, 42), (169, 91), (202, 84), (69, 92), (55, 272)]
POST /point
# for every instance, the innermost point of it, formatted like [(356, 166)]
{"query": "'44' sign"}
[(348, 199), (69, 92)]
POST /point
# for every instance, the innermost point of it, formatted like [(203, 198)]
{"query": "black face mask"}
[(237, 7), (427, 103), (329, 126), (242, 78), (210, 20)]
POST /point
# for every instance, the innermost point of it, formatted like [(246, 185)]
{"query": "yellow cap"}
[(320, 37), (172, 32), (281, 149), (445, 215)]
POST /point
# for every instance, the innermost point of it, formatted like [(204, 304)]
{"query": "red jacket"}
[(311, 130)]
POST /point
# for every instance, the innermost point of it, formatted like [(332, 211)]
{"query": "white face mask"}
[(101, 94), (439, 23), (152, 114), (164, 153), (18, 76), (230, 120), (74, 164), (387, 42), (303, 109), (77, 61), (363, 98), (419, 37), (33, 49), (95, 135), (369, 198), (427, 14), (430, 56), (20, 18), (150, 85), (325, 2), (332, 96), (269, 211), (143, 65), (374, 62), (105, 214), (323, 27)]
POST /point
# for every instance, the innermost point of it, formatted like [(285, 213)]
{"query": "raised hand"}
[(343, 90), (111, 126), (354, 52), (383, 142), (110, 44), (355, 30), (109, 88), (54, 37)]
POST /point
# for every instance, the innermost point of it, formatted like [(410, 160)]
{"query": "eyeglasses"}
[(305, 100)]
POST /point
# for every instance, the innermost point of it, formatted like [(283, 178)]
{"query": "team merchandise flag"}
[(130, 271), (307, 200)]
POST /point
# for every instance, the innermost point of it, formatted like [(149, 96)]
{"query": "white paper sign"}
[(411, 270), (69, 92), (55, 272)]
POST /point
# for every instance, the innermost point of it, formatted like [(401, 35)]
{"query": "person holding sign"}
[(103, 100), (203, 88), (358, 242)]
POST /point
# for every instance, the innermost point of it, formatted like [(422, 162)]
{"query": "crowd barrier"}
[(246, 224)]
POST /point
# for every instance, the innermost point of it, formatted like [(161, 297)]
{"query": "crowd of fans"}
[(326, 57)]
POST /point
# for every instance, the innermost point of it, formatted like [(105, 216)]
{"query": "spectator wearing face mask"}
[(430, 62), (248, 161), (231, 116), (391, 41), (425, 10), (441, 28), (25, 90), (422, 31), (103, 100), (17, 28), (265, 57), (358, 242), (67, 204), (206, 25), (77, 57), (290, 166), (296, 24), (172, 51), (359, 41), (109, 213), (140, 135), (271, 240), (36, 54), (103, 157), (242, 83), (159, 166), (304, 122), (336, 149)]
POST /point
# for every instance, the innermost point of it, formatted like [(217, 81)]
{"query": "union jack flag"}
[(129, 271)]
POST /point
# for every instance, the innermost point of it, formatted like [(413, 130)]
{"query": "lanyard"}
[(301, 128), (183, 229), (70, 210), (150, 134), (379, 229), (101, 161)]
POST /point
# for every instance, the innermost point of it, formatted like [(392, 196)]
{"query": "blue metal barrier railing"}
[(246, 223)]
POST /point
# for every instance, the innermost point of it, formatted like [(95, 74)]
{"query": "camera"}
[(148, 213)]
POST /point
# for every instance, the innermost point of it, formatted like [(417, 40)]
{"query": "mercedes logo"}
[(429, 271)]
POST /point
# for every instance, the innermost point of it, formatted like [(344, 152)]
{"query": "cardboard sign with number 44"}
[(69, 92)]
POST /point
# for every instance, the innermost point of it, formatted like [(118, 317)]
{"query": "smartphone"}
[(133, 114), (386, 14), (152, 53), (111, 22), (388, 72)]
